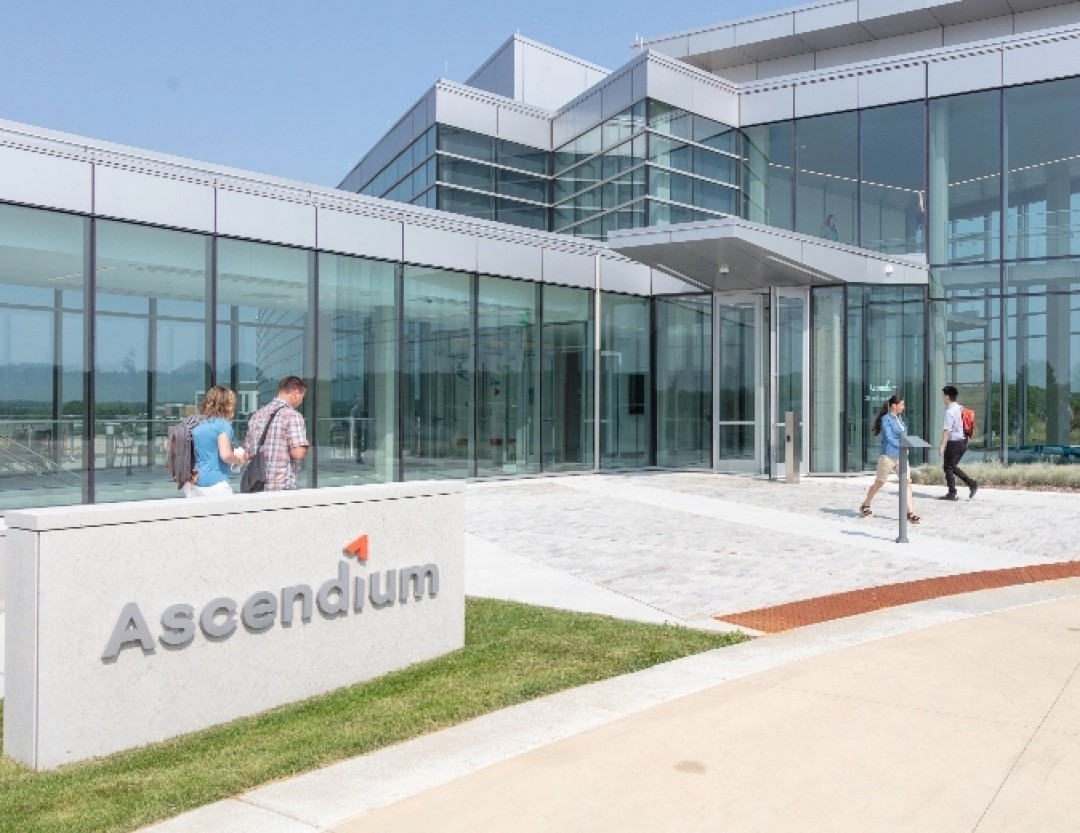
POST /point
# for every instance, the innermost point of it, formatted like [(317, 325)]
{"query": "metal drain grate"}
[(839, 605)]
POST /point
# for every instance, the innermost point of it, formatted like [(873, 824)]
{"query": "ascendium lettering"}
[(218, 618)]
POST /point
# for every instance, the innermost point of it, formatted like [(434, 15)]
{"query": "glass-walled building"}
[(554, 267)]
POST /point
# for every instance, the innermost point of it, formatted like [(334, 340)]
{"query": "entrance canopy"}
[(735, 254)]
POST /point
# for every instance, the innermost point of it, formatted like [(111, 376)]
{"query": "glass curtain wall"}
[(264, 331), (769, 174), (44, 453), (684, 382), (150, 352), (1042, 122), (827, 334), (965, 178), (827, 179), (886, 355), (965, 350), (1042, 314), (567, 379), (626, 426), (437, 375), (356, 423), (892, 198), (507, 377)]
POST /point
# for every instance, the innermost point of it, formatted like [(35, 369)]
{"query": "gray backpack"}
[(180, 452)]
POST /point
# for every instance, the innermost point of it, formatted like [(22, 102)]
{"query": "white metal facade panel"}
[(504, 258), (996, 27), (670, 86), (593, 77), (786, 66), (832, 96), (590, 112), (355, 234), (826, 17), (716, 103), (763, 29), (626, 276), (440, 248), (569, 268), (676, 47), (617, 94), (1040, 62), (892, 86), (641, 79), (771, 105), (421, 118), (524, 128), (459, 109), (1046, 18), (47, 181), (741, 74), (710, 40), (265, 218), (146, 198), (963, 75), (879, 49), (665, 284), (550, 80), (497, 75)]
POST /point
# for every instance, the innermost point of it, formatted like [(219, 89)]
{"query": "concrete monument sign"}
[(129, 623)]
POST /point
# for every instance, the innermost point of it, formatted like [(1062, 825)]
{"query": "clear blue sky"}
[(293, 88)]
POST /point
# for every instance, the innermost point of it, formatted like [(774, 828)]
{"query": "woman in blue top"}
[(214, 445), (889, 424)]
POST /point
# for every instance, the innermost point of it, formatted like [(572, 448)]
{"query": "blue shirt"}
[(891, 429), (212, 469)]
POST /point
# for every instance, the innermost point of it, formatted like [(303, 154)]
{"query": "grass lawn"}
[(512, 653)]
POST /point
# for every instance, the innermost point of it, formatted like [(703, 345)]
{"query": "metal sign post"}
[(906, 441)]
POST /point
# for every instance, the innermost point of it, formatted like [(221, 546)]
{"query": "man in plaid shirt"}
[(286, 442)]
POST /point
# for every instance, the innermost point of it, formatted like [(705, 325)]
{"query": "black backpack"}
[(180, 452)]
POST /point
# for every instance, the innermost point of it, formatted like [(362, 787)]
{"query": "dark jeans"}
[(954, 450)]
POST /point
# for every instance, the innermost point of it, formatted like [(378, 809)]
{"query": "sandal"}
[(913, 518), (865, 510)]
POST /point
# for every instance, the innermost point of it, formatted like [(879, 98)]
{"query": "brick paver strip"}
[(839, 605)]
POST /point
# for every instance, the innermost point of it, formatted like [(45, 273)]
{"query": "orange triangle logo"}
[(359, 548)]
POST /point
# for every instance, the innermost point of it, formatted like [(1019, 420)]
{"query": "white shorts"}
[(222, 489)]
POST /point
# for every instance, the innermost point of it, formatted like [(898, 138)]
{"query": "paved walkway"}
[(960, 713)]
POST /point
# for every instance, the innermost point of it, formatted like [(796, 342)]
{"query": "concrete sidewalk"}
[(959, 713)]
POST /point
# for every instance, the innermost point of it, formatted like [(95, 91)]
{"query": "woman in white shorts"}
[(889, 424)]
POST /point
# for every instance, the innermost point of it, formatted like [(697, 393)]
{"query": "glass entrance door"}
[(789, 331), (738, 389)]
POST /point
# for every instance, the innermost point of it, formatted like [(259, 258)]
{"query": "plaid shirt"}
[(286, 433)]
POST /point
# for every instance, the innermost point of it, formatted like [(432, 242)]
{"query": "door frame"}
[(757, 464), (776, 419)]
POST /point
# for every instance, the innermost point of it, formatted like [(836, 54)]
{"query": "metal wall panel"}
[(786, 66), (963, 75), (505, 258), (421, 119), (569, 268), (625, 276), (641, 79), (677, 46), (670, 86), (355, 234), (498, 74), (771, 105), (549, 80), (743, 74), (763, 29), (265, 218), (826, 17), (47, 181), (665, 284), (710, 40), (892, 86), (715, 103), (879, 49), (459, 109), (524, 128), (832, 96), (440, 248), (146, 198), (996, 27), (1040, 62), (590, 112), (617, 94), (1046, 18)]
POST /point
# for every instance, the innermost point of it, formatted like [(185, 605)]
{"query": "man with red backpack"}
[(954, 441)]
